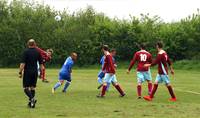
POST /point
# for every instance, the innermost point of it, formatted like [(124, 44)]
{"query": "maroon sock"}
[(171, 91), (154, 90), (149, 87), (139, 90), (119, 89), (103, 92)]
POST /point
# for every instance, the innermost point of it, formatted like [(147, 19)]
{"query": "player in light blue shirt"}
[(65, 73)]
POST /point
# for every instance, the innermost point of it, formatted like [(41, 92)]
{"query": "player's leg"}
[(68, 82), (107, 79), (100, 79), (148, 78), (59, 83), (33, 83), (140, 80), (43, 75), (26, 86), (169, 87), (155, 86), (117, 86)]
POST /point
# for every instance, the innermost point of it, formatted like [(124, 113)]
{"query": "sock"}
[(149, 88), (171, 91), (28, 93), (103, 92), (57, 85), (139, 90), (33, 93), (154, 90), (108, 86), (66, 86), (119, 89)]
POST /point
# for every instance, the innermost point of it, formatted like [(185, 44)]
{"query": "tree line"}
[(86, 30)]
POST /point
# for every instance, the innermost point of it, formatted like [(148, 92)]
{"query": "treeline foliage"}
[(86, 30)]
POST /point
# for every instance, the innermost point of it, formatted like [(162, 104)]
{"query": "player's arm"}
[(40, 60), (21, 68), (105, 63), (132, 63), (22, 64), (154, 62), (170, 66)]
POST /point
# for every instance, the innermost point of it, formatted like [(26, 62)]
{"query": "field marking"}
[(193, 92)]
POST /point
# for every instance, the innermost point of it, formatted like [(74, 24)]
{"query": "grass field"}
[(81, 101)]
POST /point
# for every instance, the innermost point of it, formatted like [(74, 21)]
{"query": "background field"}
[(81, 101)]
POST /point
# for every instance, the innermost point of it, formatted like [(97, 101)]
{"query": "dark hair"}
[(159, 44), (142, 46), (105, 47), (113, 50)]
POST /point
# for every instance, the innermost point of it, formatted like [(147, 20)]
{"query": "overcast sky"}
[(168, 10)]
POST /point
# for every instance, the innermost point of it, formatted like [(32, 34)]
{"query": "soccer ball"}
[(57, 18)]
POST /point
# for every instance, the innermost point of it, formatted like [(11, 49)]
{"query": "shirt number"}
[(143, 57)]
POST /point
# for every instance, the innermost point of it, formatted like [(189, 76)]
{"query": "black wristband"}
[(20, 73)]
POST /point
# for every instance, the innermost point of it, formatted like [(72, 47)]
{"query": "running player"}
[(101, 73), (109, 70), (65, 73)]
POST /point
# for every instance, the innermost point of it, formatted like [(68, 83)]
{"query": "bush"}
[(86, 30)]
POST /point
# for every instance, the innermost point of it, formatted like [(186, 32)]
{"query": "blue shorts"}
[(110, 78), (101, 75), (63, 76), (162, 78), (143, 76)]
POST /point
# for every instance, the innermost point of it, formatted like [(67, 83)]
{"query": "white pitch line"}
[(193, 92)]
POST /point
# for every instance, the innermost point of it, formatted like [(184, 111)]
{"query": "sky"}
[(168, 10)]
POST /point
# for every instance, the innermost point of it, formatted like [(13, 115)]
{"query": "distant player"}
[(101, 73), (143, 73), (109, 70), (162, 60), (46, 57), (65, 73)]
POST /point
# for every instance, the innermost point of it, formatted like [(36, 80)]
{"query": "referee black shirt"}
[(30, 58)]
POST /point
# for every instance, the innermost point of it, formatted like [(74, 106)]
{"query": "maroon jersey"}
[(162, 60), (44, 55), (108, 65), (141, 57)]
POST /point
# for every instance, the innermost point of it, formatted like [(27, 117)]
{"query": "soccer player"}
[(46, 57), (161, 60), (65, 73), (28, 68), (101, 73), (143, 73), (109, 70)]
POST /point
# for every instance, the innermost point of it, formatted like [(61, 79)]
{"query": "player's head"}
[(142, 46), (31, 43), (49, 51), (105, 48), (74, 56), (113, 52), (159, 45)]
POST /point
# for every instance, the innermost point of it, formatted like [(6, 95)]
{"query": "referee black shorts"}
[(30, 78)]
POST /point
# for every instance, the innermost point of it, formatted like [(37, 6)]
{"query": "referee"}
[(28, 68)]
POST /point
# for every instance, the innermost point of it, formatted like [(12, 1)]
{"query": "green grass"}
[(81, 101)]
